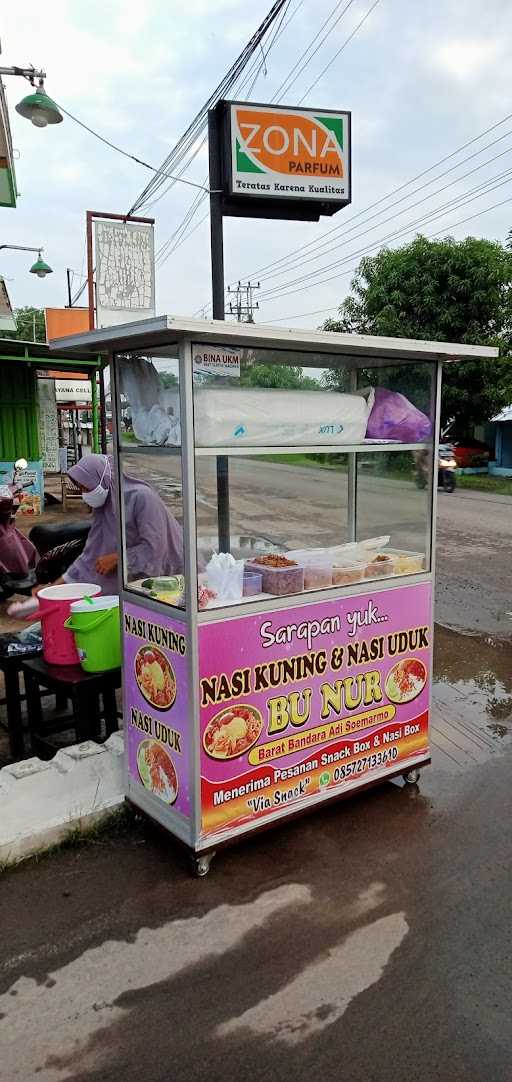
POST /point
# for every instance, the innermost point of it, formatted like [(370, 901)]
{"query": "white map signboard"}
[(125, 272)]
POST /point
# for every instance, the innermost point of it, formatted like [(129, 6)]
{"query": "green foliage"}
[(168, 379), (30, 325), (289, 377), (443, 290)]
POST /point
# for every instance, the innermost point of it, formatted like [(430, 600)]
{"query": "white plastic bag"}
[(260, 416), (225, 575)]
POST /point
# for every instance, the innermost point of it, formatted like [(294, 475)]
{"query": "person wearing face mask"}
[(154, 540)]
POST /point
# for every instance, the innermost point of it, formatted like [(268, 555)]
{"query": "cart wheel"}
[(412, 777), (201, 865)]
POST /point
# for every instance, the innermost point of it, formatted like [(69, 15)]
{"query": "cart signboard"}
[(302, 704), (156, 706)]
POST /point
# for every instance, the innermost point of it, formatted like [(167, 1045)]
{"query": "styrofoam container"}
[(263, 416)]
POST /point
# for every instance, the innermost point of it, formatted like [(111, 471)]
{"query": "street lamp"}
[(39, 267), (37, 107)]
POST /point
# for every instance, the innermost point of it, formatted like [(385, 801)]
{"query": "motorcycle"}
[(17, 554), (446, 466), (39, 559)]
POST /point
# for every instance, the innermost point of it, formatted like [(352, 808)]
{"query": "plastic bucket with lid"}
[(97, 630), (54, 608)]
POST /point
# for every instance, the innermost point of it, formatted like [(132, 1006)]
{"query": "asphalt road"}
[(303, 507), (369, 942)]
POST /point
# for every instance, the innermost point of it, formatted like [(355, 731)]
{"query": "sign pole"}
[(218, 310)]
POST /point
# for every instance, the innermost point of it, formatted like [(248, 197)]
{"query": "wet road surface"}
[(368, 942)]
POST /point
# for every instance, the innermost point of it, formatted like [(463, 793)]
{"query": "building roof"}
[(505, 415), (162, 330)]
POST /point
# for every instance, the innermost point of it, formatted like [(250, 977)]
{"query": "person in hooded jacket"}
[(153, 538)]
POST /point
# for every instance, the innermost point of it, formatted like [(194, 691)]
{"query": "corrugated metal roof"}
[(505, 415)]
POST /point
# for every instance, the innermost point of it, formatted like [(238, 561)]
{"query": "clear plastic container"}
[(316, 576), (407, 563), (253, 581), (380, 566), (348, 574), (279, 580)]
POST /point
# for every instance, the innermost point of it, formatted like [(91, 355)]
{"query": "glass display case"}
[(277, 597)]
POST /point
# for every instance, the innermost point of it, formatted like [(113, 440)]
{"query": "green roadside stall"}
[(20, 365)]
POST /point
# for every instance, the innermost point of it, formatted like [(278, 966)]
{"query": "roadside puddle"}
[(472, 698)]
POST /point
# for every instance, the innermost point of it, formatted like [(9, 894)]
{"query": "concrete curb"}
[(41, 802)]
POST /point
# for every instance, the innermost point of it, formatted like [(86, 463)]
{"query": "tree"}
[(289, 377), (30, 325), (444, 290)]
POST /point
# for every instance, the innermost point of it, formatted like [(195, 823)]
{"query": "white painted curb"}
[(40, 802)]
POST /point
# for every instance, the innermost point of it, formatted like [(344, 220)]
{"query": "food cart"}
[(288, 661)]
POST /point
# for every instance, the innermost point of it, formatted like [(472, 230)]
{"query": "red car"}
[(471, 453)]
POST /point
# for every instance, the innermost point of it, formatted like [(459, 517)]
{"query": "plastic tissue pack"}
[(259, 417), (225, 575)]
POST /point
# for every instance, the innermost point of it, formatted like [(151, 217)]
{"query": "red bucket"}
[(54, 608)]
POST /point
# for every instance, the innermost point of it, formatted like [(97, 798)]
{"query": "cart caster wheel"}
[(201, 865), (412, 777)]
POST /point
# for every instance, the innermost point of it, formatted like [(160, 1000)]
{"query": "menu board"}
[(156, 705), (302, 704)]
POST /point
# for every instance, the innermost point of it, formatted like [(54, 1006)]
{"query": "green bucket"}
[(96, 626)]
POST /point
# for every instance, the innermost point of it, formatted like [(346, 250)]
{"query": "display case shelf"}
[(315, 449), (278, 449)]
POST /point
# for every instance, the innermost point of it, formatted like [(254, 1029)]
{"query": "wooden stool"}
[(82, 689)]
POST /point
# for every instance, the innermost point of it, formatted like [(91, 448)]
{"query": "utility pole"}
[(244, 304)]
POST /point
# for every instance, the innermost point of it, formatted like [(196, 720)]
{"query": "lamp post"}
[(39, 267), (36, 107)]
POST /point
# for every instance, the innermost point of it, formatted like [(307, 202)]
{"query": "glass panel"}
[(394, 498), (148, 397), (280, 498), (152, 497)]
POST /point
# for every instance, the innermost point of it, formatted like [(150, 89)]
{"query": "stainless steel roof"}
[(162, 330)]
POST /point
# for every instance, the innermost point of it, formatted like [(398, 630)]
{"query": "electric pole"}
[(244, 305)]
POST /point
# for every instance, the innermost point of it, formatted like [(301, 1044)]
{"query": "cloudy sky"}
[(421, 81)]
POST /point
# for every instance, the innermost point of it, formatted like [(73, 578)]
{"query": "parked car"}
[(471, 453)]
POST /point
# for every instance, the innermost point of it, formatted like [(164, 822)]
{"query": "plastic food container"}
[(381, 566), (253, 581), (407, 563), (345, 576), (316, 576), (279, 580)]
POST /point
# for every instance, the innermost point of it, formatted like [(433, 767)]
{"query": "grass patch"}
[(485, 482)]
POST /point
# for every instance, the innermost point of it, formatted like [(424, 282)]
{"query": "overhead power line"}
[(382, 221), (194, 129), (340, 50), (429, 236), (409, 227), (260, 271), (180, 234), (289, 82)]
